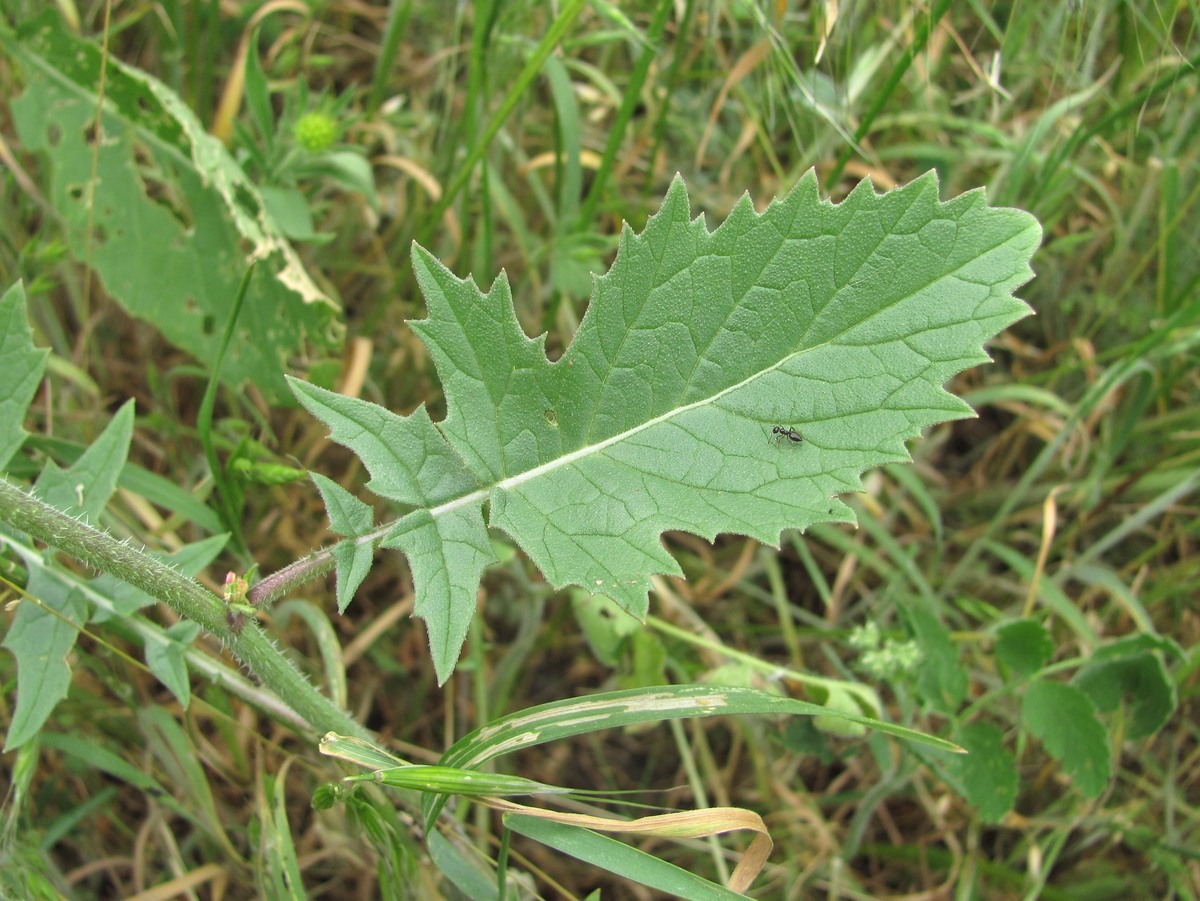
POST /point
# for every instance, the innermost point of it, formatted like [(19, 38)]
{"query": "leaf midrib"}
[(481, 494)]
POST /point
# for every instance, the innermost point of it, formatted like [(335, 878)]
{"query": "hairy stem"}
[(188, 598), (291, 577), (284, 581)]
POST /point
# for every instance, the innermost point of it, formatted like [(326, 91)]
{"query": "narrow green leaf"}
[(41, 637), (618, 857), (84, 488), (831, 326), (566, 112), (181, 760), (358, 751), (1064, 718), (1024, 646), (463, 872), (448, 780), (280, 873), (616, 709), (93, 755), (258, 93), (22, 365), (330, 648)]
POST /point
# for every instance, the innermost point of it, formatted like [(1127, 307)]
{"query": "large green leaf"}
[(728, 381), (160, 209)]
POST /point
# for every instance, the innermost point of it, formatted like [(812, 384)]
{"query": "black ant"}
[(781, 432)]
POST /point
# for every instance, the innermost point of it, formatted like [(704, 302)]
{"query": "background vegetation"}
[(1057, 528)]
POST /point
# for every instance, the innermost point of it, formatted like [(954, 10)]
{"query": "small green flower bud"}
[(316, 132)]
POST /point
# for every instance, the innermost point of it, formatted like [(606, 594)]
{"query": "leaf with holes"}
[(161, 210), (736, 380)]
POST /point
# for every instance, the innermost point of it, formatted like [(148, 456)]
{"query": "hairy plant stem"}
[(188, 598), (284, 581)]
